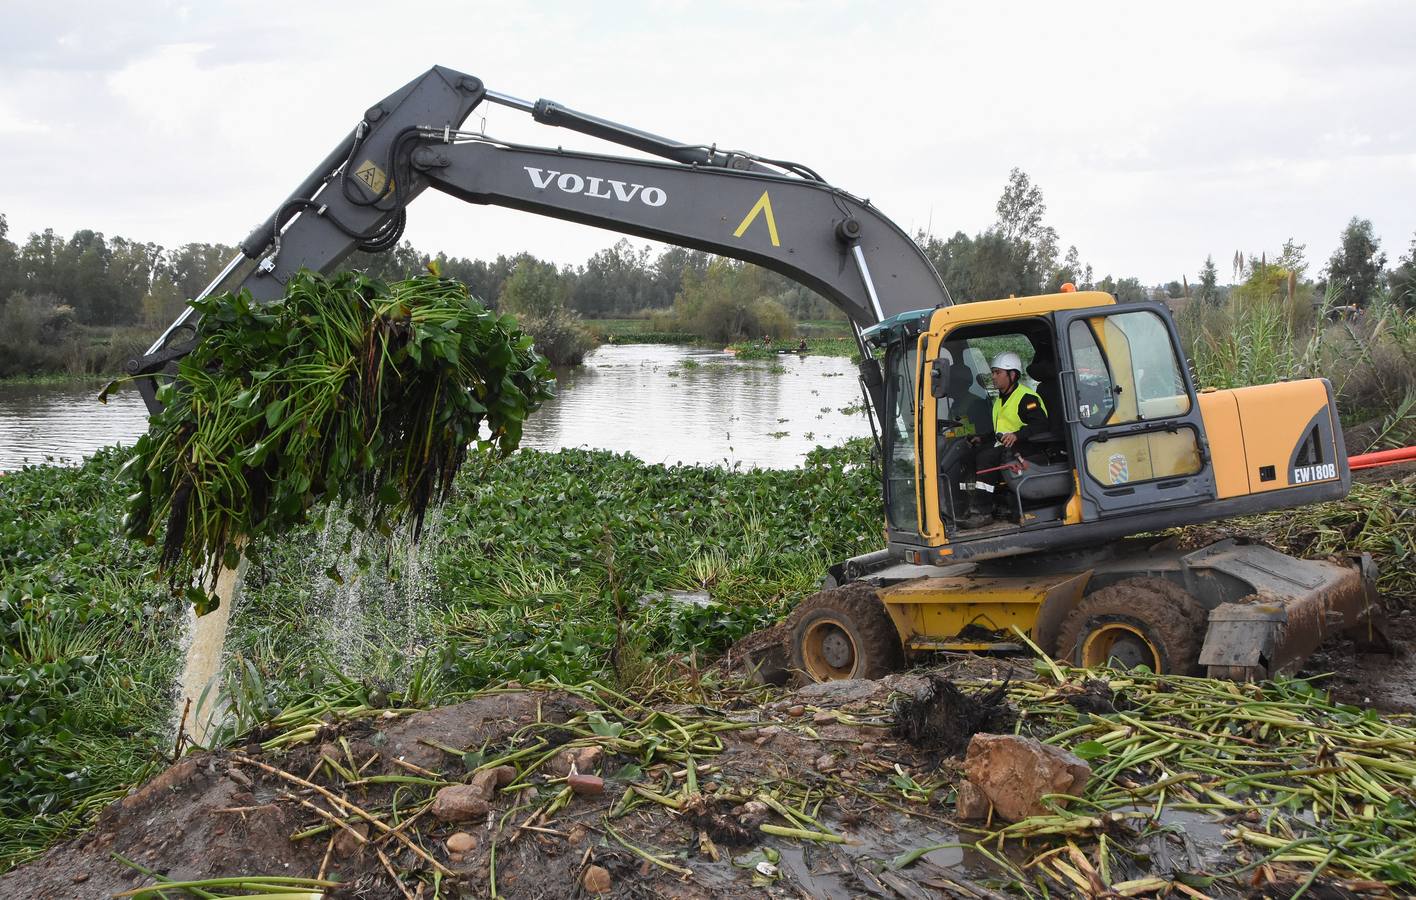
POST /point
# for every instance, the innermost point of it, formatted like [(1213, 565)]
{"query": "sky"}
[(1158, 133)]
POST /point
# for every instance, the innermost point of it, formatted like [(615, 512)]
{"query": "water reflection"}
[(662, 403)]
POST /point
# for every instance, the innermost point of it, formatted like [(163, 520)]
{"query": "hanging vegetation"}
[(348, 390)]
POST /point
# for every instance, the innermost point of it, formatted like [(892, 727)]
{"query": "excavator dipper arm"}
[(779, 215)]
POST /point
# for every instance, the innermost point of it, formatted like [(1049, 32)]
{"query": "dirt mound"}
[(654, 832)]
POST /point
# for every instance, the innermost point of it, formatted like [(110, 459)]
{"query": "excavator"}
[(1133, 447)]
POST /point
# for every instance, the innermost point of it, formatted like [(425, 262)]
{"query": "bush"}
[(559, 336), (727, 303), (37, 334)]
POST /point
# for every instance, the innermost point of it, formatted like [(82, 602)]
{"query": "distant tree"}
[(535, 287), (1403, 279), (1173, 290), (1130, 290), (1208, 290), (1355, 269), (1070, 271), (538, 294), (671, 267), (1291, 258), (614, 281), (10, 276), (1034, 245)]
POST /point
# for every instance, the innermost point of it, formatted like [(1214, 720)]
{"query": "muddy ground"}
[(828, 747)]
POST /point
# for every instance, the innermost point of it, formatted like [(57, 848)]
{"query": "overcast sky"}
[(1159, 133)]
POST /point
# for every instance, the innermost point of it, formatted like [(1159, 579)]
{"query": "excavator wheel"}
[(844, 632), (1137, 622)]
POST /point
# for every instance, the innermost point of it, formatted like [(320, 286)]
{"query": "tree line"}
[(53, 288)]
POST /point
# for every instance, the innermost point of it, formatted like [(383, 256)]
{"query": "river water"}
[(661, 403)]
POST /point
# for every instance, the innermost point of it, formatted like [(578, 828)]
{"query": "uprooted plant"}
[(348, 390)]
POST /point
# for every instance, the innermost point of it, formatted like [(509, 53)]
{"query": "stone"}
[(1014, 773), (825, 762), (484, 784), (330, 751), (586, 784), (576, 834), (970, 805), (461, 842), (823, 718), (505, 775), (596, 880), (459, 803), (562, 763), (588, 759), (796, 711)]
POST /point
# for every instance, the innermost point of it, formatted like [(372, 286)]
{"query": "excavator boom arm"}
[(778, 215)]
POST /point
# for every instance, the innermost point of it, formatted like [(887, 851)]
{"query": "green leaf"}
[(1091, 750)]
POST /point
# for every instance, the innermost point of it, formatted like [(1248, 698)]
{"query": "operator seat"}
[(1048, 477), (1043, 370)]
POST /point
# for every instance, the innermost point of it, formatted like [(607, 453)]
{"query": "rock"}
[(1014, 773), (796, 711), (345, 844), (461, 842), (576, 834), (505, 775), (330, 751), (562, 763), (971, 805), (588, 759), (484, 784), (823, 718), (825, 762), (596, 880), (459, 803), (586, 784)]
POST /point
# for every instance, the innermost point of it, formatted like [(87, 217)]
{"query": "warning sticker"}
[(372, 177)]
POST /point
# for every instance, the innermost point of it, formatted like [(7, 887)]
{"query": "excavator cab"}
[(1125, 447), (1129, 446)]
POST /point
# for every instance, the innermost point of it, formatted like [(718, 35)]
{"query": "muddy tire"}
[(842, 633), (1139, 621)]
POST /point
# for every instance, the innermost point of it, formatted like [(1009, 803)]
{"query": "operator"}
[(1019, 415)]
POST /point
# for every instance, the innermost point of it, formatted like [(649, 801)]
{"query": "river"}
[(661, 403)]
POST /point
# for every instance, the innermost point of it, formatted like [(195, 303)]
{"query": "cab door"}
[(1136, 431)]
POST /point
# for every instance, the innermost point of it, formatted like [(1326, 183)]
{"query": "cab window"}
[(1127, 370), (900, 451)]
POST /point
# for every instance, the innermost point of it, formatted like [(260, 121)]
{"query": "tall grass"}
[(1370, 356)]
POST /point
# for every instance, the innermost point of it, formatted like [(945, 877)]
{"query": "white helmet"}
[(1008, 360)]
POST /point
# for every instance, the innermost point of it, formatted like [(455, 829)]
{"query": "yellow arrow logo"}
[(764, 205)]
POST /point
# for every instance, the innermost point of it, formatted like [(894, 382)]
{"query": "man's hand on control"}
[(1008, 439)]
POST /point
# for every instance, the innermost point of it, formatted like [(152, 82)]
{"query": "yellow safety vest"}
[(1005, 412)]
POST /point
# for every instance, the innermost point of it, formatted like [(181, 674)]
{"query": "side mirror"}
[(939, 378)]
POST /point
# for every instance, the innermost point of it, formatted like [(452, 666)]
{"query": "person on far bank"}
[(1019, 417)]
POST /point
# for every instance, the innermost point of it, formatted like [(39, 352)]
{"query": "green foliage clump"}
[(538, 294), (729, 301), (86, 652), (348, 390)]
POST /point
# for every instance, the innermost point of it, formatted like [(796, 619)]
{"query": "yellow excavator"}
[(1129, 444)]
